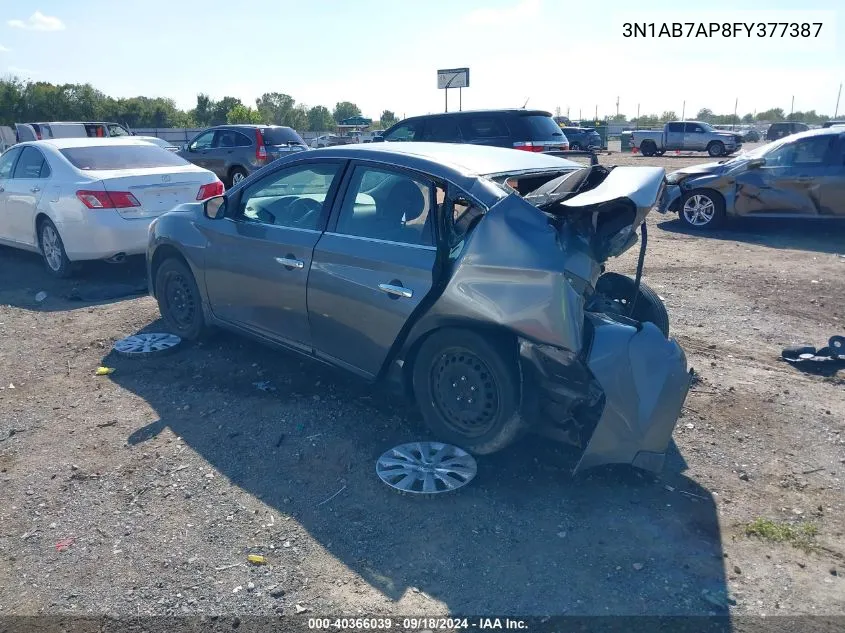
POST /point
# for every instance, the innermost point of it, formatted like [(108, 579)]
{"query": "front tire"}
[(716, 148), (467, 387), (53, 250), (648, 148), (179, 299), (619, 289), (702, 209)]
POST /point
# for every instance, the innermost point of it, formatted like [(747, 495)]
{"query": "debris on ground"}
[(40, 296), (104, 371), (256, 559)]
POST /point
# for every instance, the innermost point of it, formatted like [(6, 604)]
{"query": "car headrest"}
[(405, 200)]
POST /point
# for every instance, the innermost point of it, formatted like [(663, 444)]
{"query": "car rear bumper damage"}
[(621, 405)]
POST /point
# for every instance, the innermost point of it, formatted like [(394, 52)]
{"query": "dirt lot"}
[(143, 492)]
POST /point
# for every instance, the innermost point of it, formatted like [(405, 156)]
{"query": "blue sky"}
[(384, 55)]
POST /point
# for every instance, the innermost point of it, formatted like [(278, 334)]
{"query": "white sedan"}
[(77, 199), (158, 141)]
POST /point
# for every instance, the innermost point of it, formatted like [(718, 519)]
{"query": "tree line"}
[(25, 101), (708, 116)]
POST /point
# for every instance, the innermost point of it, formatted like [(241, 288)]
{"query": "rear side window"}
[(7, 160), (117, 130), (477, 127), (121, 157), (281, 136), (675, 127), (31, 165), (442, 130), (408, 131), (539, 127), (230, 138)]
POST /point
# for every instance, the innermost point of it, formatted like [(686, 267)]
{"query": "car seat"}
[(402, 204)]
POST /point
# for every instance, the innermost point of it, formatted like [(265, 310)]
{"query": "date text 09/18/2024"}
[(417, 624)]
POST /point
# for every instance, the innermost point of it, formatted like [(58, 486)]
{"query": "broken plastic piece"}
[(256, 559), (103, 371)]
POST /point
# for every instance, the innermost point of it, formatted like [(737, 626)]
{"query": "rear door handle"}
[(396, 291), (291, 263)]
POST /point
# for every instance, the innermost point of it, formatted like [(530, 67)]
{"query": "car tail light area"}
[(529, 146), (260, 150), (107, 199), (210, 190)]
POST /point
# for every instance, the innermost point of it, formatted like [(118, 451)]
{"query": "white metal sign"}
[(453, 78)]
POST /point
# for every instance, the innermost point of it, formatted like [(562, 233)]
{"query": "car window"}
[(442, 130), (7, 160), (410, 131), (117, 130), (537, 127), (31, 165), (230, 138), (293, 198), (464, 215), (121, 156), (395, 210), (242, 140), (674, 127), (203, 141), (281, 136), (805, 152), (479, 127)]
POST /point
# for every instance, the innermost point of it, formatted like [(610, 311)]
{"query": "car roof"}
[(822, 131), (493, 111), (67, 143), (464, 159)]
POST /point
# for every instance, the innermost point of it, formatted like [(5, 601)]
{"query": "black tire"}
[(53, 250), (648, 148), (236, 174), (648, 308), (716, 148), (688, 216), (575, 147), (179, 299), (660, 152), (478, 365)]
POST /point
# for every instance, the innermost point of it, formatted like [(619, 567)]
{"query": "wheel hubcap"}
[(51, 247), (426, 467), (237, 177), (181, 304), (465, 393), (146, 343), (699, 210)]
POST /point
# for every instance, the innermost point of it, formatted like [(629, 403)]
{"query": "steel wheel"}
[(699, 210), (51, 245), (180, 300), (465, 392), (426, 468)]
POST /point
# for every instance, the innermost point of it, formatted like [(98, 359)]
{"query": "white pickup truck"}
[(686, 136)]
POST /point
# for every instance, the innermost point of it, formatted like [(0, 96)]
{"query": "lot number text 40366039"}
[(648, 30)]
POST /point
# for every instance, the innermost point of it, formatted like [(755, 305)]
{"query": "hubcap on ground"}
[(699, 210), (50, 246), (181, 303), (465, 392), (426, 467), (147, 343)]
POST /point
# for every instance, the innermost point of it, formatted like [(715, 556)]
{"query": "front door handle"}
[(396, 291), (35, 189), (291, 263)]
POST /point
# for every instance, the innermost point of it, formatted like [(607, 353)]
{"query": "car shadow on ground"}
[(23, 276), (524, 537), (822, 236)]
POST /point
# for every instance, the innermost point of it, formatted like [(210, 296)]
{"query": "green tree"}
[(344, 110), (705, 114), (387, 119), (668, 115), (221, 110), (646, 120), (242, 114), (203, 113), (618, 118), (275, 107), (775, 114), (748, 118), (320, 119)]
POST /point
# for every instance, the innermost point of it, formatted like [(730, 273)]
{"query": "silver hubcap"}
[(699, 210), (426, 467), (146, 343), (51, 246), (237, 177)]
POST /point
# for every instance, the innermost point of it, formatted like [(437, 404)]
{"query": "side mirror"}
[(756, 163), (215, 208)]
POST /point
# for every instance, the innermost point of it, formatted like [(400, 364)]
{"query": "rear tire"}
[(575, 147), (179, 299), (648, 148), (467, 387), (236, 175), (53, 250), (649, 307)]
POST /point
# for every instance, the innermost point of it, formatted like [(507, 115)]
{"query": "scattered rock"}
[(301, 609), (743, 475), (689, 425), (638, 566), (40, 296), (834, 571), (250, 586), (561, 534), (737, 569), (276, 592)]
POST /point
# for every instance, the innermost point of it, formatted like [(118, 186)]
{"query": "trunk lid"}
[(157, 189)]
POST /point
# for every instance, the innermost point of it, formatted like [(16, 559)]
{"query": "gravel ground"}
[(144, 491)]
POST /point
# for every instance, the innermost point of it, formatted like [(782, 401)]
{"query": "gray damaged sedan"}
[(473, 277)]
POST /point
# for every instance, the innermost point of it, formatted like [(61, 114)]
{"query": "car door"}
[(258, 257), (673, 136), (833, 183), (694, 137), (790, 181), (222, 148), (7, 165), (198, 149), (373, 267), (23, 192)]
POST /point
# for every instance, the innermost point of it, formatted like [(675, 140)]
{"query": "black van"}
[(529, 130), (779, 130)]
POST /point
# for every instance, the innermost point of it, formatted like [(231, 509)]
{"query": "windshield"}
[(281, 136), (706, 127), (758, 152), (114, 157)]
